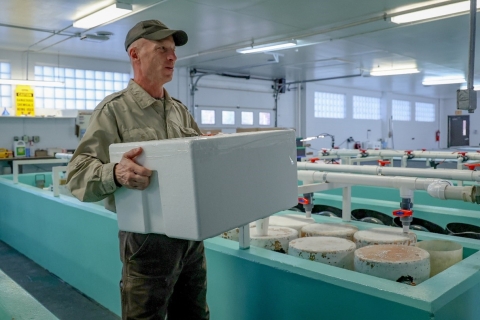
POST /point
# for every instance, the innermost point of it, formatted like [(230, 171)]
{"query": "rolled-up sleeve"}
[(90, 173)]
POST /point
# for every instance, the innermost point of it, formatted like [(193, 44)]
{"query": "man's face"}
[(157, 59)]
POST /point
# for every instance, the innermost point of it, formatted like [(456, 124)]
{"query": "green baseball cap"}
[(154, 30)]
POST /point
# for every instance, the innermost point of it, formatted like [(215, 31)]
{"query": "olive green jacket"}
[(130, 115)]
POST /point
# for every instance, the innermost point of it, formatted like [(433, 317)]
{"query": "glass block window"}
[(264, 118), (247, 118), (366, 108), (5, 89), (84, 89), (207, 117), (228, 117), (329, 105), (424, 112), (401, 110)]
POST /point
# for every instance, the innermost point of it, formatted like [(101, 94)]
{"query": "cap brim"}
[(179, 36)]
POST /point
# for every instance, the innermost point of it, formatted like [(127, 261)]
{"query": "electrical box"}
[(203, 186), (467, 100)]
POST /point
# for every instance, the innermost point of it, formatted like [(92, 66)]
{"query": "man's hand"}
[(130, 174)]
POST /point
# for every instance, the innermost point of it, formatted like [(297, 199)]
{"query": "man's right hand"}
[(131, 175)]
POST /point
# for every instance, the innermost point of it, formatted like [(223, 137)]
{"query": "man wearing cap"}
[(160, 275)]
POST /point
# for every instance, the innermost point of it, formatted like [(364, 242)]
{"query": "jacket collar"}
[(143, 99)]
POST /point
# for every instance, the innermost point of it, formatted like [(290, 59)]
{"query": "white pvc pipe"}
[(466, 194), (56, 179), (451, 174), (262, 226), (400, 153), (244, 237), (59, 155), (346, 203), (455, 193)]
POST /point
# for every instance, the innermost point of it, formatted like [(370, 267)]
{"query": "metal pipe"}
[(471, 51), (324, 79)]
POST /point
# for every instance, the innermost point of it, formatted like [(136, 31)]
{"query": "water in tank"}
[(421, 225), (463, 230), (372, 216)]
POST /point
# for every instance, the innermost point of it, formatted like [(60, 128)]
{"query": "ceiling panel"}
[(344, 37), (50, 14)]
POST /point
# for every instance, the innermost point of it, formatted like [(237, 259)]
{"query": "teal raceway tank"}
[(254, 283)]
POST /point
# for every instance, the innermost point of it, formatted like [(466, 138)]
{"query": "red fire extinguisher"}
[(437, 135)]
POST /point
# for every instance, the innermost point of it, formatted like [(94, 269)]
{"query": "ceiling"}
[(339, 39)]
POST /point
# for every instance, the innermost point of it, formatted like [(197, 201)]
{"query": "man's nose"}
[(172, 56)]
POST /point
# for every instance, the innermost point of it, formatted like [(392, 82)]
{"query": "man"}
[(160, 275)]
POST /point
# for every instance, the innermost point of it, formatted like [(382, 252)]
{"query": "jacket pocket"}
[(177, 131), (139, 134)]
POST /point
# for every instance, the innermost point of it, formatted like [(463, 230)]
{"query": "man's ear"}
[(133, 53)]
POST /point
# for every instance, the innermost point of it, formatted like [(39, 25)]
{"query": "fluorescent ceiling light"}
[(269, 47), (104, 15), (442, 80), (446, 10), (37, 83), (390, 72)]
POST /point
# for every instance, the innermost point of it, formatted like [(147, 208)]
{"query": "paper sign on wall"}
[(24, 101)]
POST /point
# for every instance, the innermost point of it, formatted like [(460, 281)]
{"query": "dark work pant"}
[(161, 276)]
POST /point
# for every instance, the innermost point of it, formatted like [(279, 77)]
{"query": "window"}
[(207, 117), (366, 108), (84, 89), (424, 112), (5, 89), (329, 105), (228, 117), (401, 110), (247, 118), (264, 118)]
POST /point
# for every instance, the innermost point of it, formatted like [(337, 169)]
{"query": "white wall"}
[(226, 93), (406, 135)]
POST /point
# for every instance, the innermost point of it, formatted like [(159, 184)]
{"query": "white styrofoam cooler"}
[(203, 186)]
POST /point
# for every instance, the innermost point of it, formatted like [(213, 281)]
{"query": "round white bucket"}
[(443, 254), (394, 262), (329, 250), (339, 230), (277, 238), (384, 236)]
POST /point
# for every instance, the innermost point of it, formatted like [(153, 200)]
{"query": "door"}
[(458, 131)]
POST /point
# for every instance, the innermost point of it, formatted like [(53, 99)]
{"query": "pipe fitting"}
[(437, 189)]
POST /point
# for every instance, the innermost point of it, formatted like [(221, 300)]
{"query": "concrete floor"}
[(64, 301)]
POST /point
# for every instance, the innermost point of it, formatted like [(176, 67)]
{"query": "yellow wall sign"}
[(24, 101)]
